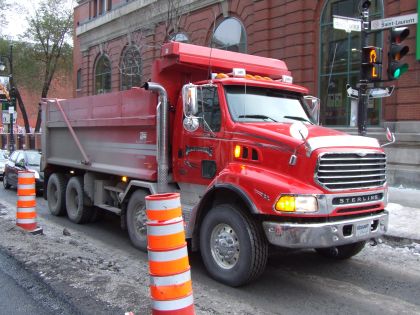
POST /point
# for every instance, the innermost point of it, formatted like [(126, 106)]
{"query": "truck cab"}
[(253, 144)]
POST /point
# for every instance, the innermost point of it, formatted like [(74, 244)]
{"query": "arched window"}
[(179, 37), (230, 35), (130, 68), (103, 75), (340, 64)]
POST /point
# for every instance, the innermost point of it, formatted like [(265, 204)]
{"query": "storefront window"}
[(340, 64), (103, 75), (131, 68), (230, 35)]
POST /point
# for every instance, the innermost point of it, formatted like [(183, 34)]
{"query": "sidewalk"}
[(404, 214)]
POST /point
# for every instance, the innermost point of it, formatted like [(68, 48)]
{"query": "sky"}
[(17, 23)]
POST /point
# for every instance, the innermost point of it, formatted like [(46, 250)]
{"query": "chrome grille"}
[(336, 171)]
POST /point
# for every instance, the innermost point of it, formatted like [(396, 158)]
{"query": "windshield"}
[(34, 158), (3, 155), (254, 104)]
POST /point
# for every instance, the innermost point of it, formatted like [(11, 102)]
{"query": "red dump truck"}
[(241, 144)]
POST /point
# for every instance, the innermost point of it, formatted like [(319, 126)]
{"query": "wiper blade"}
[(298, 118), (257, 116)]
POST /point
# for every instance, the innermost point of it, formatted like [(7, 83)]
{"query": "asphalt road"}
[(21, 293), (384, 279)]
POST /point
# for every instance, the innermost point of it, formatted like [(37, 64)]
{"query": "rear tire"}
[(233, 247), (341, 252), (56, 194), (137, 219), (76, 210)]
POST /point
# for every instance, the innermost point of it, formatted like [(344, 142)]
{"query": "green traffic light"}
[(397, 73)]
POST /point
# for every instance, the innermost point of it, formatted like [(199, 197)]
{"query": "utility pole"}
[(363, 82)]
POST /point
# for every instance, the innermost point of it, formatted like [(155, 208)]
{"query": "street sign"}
[(381, 92), (347, 23), (395, 21), (353, 93), (6, 117), (373, 92)]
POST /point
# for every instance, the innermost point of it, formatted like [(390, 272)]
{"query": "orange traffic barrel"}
[(168, 262), (163, 207), (170, 276), (165, 235), (183, 306), (26, 203)]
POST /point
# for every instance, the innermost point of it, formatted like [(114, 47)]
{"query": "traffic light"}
[(396, 52), (372, 63), (13, 97)]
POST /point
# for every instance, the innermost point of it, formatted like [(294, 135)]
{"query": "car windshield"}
[(254, 104), (34, 158), (3, 155)]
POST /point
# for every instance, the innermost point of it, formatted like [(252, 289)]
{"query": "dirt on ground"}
[(93, 277)]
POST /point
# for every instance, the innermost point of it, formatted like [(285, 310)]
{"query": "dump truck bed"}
[(113, 133)]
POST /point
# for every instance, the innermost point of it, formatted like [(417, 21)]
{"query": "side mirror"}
[(191, 124), (189, 96), (314, 105)]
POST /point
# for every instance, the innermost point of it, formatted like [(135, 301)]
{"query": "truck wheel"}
[(232, 246), (136, 220), (76, 210), (56, 194), (341, 252)]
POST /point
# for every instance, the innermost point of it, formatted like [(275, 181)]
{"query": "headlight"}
[(288, 203)]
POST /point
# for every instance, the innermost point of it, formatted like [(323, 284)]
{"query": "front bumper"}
[(329, 234)]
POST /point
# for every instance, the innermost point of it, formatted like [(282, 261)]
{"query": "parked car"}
[(4, 154), (23, 160)]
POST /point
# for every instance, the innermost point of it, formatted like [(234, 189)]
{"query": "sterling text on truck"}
[(238, 140)]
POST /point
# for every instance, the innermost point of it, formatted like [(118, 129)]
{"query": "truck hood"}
[(318, 137)]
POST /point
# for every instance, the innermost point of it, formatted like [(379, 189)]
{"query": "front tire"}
[(76, 210), (232, 245), (137, 219), (6, 184), (56, 194), (341, 252)]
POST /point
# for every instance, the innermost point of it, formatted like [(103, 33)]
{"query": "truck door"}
[(198, 153)]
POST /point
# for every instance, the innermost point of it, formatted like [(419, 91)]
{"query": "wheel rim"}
[(224, 246), (140, 219)]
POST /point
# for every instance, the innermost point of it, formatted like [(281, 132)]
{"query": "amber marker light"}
[(286, 204), (124, 179), (237, 151), (298, 203)]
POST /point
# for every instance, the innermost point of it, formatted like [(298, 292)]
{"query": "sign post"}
[(371, 57)]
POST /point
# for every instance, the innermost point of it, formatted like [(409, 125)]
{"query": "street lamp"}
[(12, 93)]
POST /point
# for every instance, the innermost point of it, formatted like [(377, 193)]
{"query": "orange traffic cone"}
[(26, 203), (170, 276)]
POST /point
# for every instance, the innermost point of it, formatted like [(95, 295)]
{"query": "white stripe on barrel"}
[(173, 304), (168, 255)]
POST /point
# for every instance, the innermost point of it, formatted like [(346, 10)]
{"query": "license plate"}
[(362, 229)]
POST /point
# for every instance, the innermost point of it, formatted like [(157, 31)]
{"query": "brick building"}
[(117, 40)]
